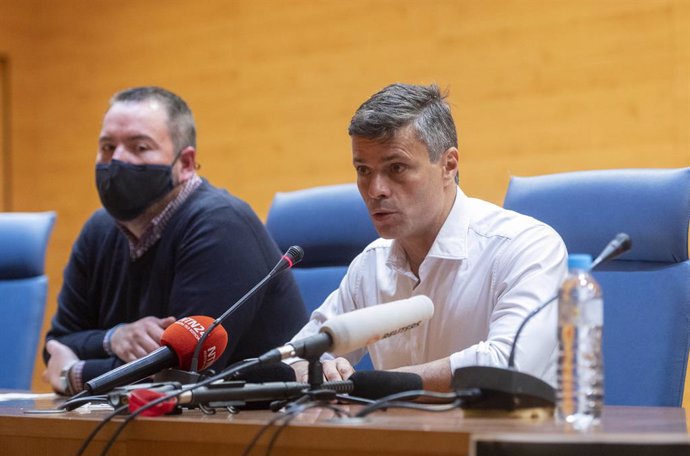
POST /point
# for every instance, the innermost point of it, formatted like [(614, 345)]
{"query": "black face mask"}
[(127, 190)]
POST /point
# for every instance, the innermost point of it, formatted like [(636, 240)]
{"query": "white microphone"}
[(363, 327), (356, 329)]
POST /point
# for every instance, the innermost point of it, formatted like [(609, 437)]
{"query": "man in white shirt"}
[(484, 268)]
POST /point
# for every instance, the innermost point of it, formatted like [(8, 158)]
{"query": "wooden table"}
[(317, 432)]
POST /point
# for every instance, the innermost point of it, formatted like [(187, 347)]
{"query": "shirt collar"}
[(451, 241), (154, 230)]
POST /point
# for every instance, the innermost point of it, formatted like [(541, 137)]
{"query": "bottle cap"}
[(581, 261)]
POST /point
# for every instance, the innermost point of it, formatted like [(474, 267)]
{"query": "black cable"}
[(93, 433), (339, 412), (277, 432), (413, 394), (291, 411), (74, 403), (413, 405), (354, 399), (226, 372), (248, 448), (511, 358)]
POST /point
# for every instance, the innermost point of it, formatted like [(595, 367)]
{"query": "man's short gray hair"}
[(399, 105), (180, 119)]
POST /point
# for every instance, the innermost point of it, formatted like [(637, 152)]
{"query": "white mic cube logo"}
[(209, 356), (193, 326)]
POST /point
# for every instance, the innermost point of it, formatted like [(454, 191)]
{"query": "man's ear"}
[(187, 162), (449, 164)]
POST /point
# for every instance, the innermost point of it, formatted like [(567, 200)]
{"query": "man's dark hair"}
[(180, 119), (399, 105)]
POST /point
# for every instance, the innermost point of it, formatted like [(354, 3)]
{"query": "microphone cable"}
[(226, 372), (390, 401), (455, 399), (339, 412), (511, 358), (291, 412), (95, 431), (76, 402)]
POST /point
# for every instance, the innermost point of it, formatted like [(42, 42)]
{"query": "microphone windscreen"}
[(361, 327), (295, 254), (183, 335), (277, 372), (375, 384)]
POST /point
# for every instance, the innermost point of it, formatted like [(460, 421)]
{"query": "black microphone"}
[(509, 389), (375, 384), (293, 256), (232, 393), (276, 372), (620, 244), (241, 393)]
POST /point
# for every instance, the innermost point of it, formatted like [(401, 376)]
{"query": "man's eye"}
[(398, 168), (362, 170), (107, 148), (142, 147)]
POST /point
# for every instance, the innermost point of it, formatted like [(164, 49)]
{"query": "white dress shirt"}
[(486, 270)]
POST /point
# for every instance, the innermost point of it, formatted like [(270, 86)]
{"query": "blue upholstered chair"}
[(647, 290), (23, 288), (332, 225)]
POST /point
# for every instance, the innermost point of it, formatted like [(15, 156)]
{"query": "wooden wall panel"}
[(537, 86), (5, 174)]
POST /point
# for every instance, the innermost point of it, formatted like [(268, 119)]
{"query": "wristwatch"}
[(64, 379)]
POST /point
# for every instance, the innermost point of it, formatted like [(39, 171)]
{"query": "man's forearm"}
[(436, 375)]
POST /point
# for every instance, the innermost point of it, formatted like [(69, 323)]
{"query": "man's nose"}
[(378, 187), (120, 153)]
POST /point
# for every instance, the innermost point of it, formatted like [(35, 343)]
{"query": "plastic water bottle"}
[(580, 395)]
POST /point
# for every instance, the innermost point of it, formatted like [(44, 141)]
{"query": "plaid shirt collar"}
[(154, 230)]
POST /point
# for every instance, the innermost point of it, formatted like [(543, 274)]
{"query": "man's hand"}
[(137, 339), (61, 356), (337, 369), (333, 370)]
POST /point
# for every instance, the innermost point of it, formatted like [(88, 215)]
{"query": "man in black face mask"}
[(167, 245)]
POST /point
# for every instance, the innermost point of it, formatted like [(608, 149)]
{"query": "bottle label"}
[(592, 313), (567, 381)]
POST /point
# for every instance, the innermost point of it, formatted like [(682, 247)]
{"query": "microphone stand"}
[(293, 256), (315, 373)]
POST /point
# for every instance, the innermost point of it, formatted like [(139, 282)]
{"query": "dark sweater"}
[(213, 250)]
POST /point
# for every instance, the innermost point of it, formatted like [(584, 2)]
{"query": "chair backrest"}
[(647, 290), (332, 225), (23, 288)]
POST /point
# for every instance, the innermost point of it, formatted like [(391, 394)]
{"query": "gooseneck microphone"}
[(618, 245), (508, 388), (178, 342), (293, 256)]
